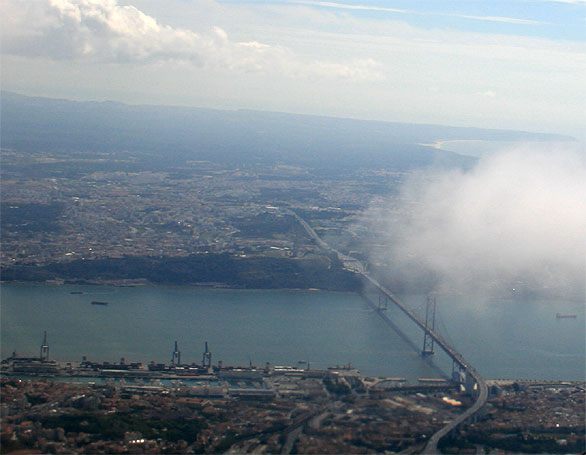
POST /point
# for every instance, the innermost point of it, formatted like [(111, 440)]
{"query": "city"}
[(205, 408)]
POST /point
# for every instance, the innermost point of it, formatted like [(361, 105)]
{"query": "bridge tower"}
[(383, 302), (206, 361), (458, 373), (430, 305), (44, 357), (176, 356)]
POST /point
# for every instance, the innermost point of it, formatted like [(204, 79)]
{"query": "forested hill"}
[(204, 269), (239, 137)]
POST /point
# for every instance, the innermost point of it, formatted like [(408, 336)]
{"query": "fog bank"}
[(514, 224)]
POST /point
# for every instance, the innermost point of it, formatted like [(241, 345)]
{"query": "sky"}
[(513, 64)]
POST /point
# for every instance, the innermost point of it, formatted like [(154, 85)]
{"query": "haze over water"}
[(501, 338)]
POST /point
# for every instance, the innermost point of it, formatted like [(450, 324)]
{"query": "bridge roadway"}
[(481, 387)]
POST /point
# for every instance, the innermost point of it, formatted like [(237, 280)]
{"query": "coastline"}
[(199, 286)]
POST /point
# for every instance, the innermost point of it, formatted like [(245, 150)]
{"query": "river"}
[(501, 338)]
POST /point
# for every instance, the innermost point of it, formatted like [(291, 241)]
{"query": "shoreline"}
[(220, 287), (225, 287)]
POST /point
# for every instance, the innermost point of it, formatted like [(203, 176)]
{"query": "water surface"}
[(501, 338)]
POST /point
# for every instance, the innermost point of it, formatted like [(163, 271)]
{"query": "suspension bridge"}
[(462, 371)]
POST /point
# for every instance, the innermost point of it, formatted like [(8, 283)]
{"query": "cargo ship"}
[(565, 316), (95, 302)]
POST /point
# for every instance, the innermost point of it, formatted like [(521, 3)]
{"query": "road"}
[(431, 447), (356, 266), (482, 388)]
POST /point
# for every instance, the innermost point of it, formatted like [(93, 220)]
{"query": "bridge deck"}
[(482, 388)]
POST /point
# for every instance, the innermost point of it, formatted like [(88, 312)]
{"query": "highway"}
[(482, 388), (355, 266)]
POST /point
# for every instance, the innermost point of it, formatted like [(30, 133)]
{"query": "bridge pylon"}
[(206, 361), (44, 357), (430, 305), (458, 373), (176, 356), (383, 302)]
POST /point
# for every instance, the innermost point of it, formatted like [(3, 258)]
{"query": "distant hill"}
[(175, 134)]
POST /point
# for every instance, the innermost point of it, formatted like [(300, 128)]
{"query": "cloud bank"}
[(515, 221), (103, 31)]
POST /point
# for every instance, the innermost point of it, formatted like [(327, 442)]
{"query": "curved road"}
[(431, 447), (482, 389)]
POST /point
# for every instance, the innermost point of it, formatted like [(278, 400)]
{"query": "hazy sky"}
[(517, 64)]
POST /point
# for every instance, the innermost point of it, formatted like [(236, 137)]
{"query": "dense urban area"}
[(337, 411), (199, 224)]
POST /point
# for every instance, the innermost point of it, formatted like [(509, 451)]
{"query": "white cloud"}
[(488, 94), (519, 215), (97, 30), (355, 7), (104, 31), (351, 7), (508, 20)]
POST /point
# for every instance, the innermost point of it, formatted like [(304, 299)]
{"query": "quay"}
[(205, 379)]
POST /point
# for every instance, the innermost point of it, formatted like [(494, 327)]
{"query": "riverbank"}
[(210, 270)]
